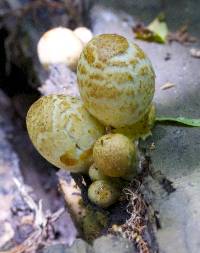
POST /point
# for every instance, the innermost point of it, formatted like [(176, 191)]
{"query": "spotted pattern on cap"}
[(63, 131), (116, 80)]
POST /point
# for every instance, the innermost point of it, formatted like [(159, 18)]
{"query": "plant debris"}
[(134, 227), (194, 52), (167, 57), (156, 31), (167, 85), (42, 223), (182, 36)]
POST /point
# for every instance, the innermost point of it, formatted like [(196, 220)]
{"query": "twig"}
[(41, 223), (167, 85)]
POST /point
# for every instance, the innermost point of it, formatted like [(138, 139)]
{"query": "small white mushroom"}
[(84, 34), (116, 80), (59, 45)]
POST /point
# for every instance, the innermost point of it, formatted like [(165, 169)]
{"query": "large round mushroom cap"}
[(116, 80), (63, 131), (59, 45)]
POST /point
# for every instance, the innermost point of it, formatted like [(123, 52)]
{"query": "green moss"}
[(93, 223)]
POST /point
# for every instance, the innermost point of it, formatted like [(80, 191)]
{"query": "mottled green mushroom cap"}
[(116, 80), (63, 131), (103, 193), (114, 155)]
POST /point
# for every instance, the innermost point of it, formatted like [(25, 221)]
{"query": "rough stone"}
[(176, 152), (110, 244), (57, 248), (113, 244), (10, 218), (79, 246)]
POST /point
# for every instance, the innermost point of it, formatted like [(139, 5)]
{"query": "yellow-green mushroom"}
[(63, 131), (140, 129), (116, 80), (103, 193), (115, 155)]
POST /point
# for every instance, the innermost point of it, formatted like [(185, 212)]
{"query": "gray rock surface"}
[(57, 248), (80, 246), (113, 244), (104, 244), (177, 148), (13, 208)]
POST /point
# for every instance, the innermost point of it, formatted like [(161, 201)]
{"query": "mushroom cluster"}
[(116, 82)]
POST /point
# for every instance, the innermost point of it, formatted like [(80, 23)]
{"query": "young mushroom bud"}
[(84, 34), (116, 80), (63, 132), (114, 155), (95, 173), (59, 45), (103, 193)]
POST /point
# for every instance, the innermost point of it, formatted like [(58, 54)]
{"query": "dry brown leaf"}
[(167, 85), (194, 52), (182, 36)]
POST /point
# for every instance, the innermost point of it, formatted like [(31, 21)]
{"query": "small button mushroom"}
[(84, 34), (103, 193), (114, 155), (59, 45), (95, 173), (63, 132), (116, 80)]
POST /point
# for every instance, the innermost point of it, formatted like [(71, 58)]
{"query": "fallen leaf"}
[(167, 85), (182, 36), (181, 120), (195, 52), (160, 29), (156, 31)]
